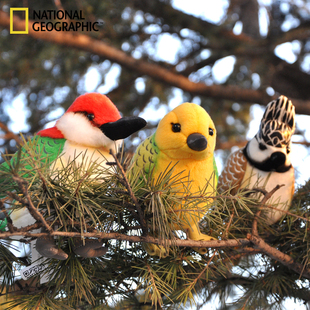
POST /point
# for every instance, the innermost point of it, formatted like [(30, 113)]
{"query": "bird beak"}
[(197, 142), (123, 127)]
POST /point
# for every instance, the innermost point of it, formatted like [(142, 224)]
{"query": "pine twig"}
[(242, 252), (159, 302), (273, 252), (287, 212), (228, 225), (267, 195), (22, 184), (10, 225), (204, 269), (280, 256), (133, 197)]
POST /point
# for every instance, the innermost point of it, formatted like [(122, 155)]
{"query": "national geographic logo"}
[(61, 21), (12, 10)]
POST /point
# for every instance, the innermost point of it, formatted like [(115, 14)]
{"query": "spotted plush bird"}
[(185, 140), (86, 132), (265, 160)]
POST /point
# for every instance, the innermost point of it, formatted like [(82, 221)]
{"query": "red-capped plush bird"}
[(86, 132)]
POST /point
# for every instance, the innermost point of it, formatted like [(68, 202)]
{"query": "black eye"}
[(288, 149), (211, 131), (90, 116), (176, 127), (262, 146)]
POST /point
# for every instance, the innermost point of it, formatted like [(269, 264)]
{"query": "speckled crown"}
[(278, 123)]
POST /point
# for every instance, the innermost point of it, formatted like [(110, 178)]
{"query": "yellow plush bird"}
[(185, 140)]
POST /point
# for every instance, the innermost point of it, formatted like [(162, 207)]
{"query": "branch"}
[(228, 145), (22, 184), (9, 134), (279, 256), (133, 197), (306, 143), (228, 225), (263, 202), (86, 43), (178, 19), (299, 33), (10, 225), (193, 284), (273, 252), (145, 239), (287, 212)]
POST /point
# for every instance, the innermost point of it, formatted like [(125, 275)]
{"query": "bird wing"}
[(50, 148), (215, 170), (43, 149), (233, 173), (145, 157)]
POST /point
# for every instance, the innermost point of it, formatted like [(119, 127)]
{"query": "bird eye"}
[(176, 127), (262, 146), (211, 131), (288, 150), (90, 116)]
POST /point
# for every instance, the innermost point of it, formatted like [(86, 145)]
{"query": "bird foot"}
[(156, 250), (90, 248), (203, 251)]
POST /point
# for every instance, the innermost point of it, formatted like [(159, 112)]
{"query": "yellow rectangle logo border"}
[(26, 20)]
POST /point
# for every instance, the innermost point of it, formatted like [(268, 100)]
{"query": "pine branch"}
[(273, 252), (113, 209), (286, 212), (279, 256), (267, 195), (145, 239), (133, 197), (11, 227), (189, 288), (23, 186)]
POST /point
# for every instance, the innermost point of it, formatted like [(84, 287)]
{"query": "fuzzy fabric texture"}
[(51, 133), (170, 147), (167, 147), (99, 105), (193, 119), (265, 161), (78, 129)]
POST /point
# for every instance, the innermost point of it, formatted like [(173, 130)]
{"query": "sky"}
[(212, 11)]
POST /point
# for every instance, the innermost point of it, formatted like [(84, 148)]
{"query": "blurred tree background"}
[(149, 56)]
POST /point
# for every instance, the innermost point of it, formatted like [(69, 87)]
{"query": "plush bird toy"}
[(265, 160), (184, 139), (90, 127)]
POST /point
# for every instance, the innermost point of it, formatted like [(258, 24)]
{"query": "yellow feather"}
[(169, 148)]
